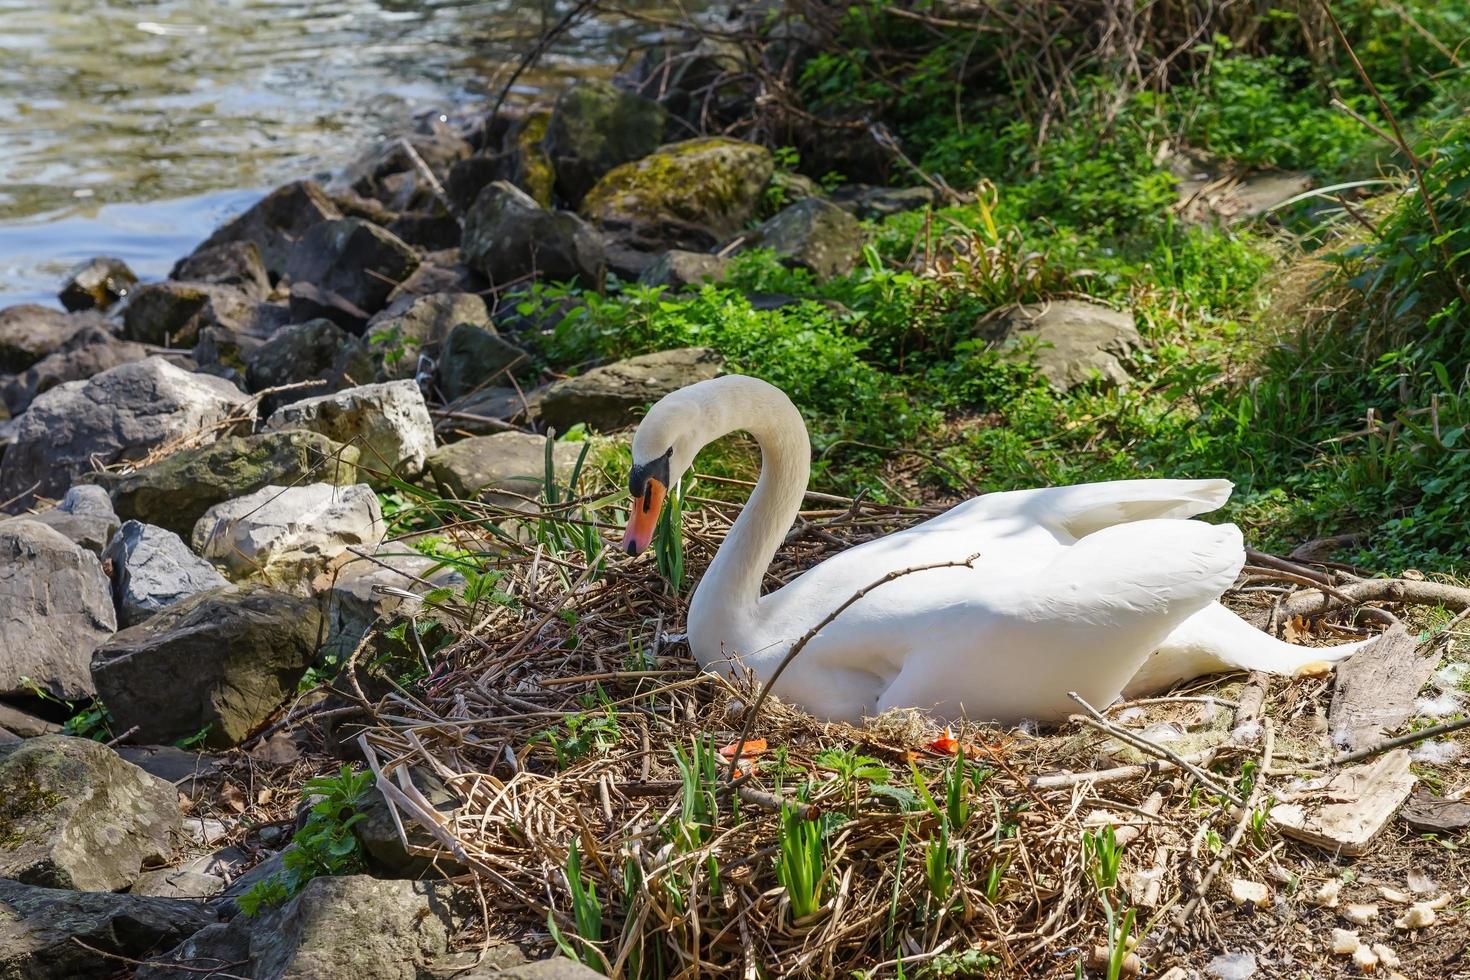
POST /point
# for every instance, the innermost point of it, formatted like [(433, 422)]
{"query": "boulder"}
[(486, 466), (438, 272), (430, 227), (317, 350), (874, 203), (613, 396), (289, 534), (29, 332), (389, 173), (469, 177), (351, 259), (231, 658), (556, 968), (690, 195), (96, 284), (508, 236), (812, 234), (475, 356), (488, 410), (55, 608), (414, 324), (177, 883), (277, 222), (192, 772), (351, 926), (153, 568), (1072, 341), (176, 491), (527, 163), (171, 314), (60, 934), (236, 264), (84, 517), (594, 127), (378, 833), (388, 423), (225, 349), (355, 602), (678, 269), (119, 415), (73, 814), (88, 352), (25, 724)]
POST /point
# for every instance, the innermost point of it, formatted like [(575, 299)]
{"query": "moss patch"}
[(713, 182), (536, 176), (23, 797)]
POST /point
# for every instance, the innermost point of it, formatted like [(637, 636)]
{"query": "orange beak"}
[(643, 517)]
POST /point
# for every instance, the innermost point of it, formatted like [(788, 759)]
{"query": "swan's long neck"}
[(732, 584)]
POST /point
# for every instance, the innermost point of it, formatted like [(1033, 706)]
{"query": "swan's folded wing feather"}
[(1089, 507)]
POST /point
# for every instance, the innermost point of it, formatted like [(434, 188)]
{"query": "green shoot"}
[(801, 862)]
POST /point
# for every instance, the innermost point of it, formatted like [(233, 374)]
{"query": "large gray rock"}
[(96, 284), (55, 608), (414, 324), (389, 424), (489, 466), (489, 410), (317, 350), (690, 195), (557, 968), (88, 352), (153, 568), (84, 516), (176, 491), (875, 203), (121, 414), (353, 260), (60, 934), (811, 234), (277, 222), (1072, 341), (172, 314), (593, 128), (473, 357), (678, 269), (287, 535), (613, 396), (508, 236), (230, 657), (25, 724), (29, 332), (75, 815), (234, 264), (357, 599), (352, 926), (177, 883)]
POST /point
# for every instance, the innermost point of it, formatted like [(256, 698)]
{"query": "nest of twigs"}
[(601, 808)]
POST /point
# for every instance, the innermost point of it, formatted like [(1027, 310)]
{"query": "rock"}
[(96, 284), (1204, 198), (287, 534), (84, 517), (412, 324), (439, 272), (55, 608), (177, 883), (153, 568), (678, 269), (506, 461), (429, 228), (389, 423), (689, 195), (469, 177), (40, 929), (613, 396), (812, 234), (351, 926), (478, 414), (191, 772), (355, 602), (527, 164), (223, 350), (593, 128), (28, 333), (25, 724), (119, 415), (176, 491), (378, 834), (1072, 341), (870, 203), (508, 236), (277, 222), (317, 350), (437, 145), (309, 302), (88, 352), (75, 815), (473, 357), (351, 259), (171, 314), (557, 968), (236, 264), (231, 656)]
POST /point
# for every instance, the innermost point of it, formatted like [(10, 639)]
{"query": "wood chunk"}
[(1432, 814), (1345, 812), (1376, 688)]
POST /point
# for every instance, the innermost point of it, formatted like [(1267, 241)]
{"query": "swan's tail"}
[(1215, 640)]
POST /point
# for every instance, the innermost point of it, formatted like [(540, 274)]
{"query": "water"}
[(133, 127)]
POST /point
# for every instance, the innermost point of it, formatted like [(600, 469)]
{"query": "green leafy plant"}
[(801, 862), (586, 917), (855, 772), (698, 801)]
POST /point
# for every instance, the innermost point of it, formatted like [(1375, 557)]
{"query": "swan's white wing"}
[(1088, 507)]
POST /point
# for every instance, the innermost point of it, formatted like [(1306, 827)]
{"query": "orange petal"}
[(945, 743), (754, 746)]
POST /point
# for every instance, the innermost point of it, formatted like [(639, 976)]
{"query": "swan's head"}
[(664, 447)]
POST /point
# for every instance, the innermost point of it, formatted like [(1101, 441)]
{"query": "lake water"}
[(133, 127)]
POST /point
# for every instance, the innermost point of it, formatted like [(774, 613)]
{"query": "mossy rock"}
[(533, 171), (689, 195), (596, 126)]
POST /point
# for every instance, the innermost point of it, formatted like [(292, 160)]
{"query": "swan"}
[(1101, 588)]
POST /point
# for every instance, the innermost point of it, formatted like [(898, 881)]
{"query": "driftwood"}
[(1345, 812), (1310, 603), (1376, 688)]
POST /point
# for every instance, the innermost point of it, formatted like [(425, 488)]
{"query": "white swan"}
[(1099, 588)]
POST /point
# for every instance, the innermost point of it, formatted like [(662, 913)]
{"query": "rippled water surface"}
[(132, 128)]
